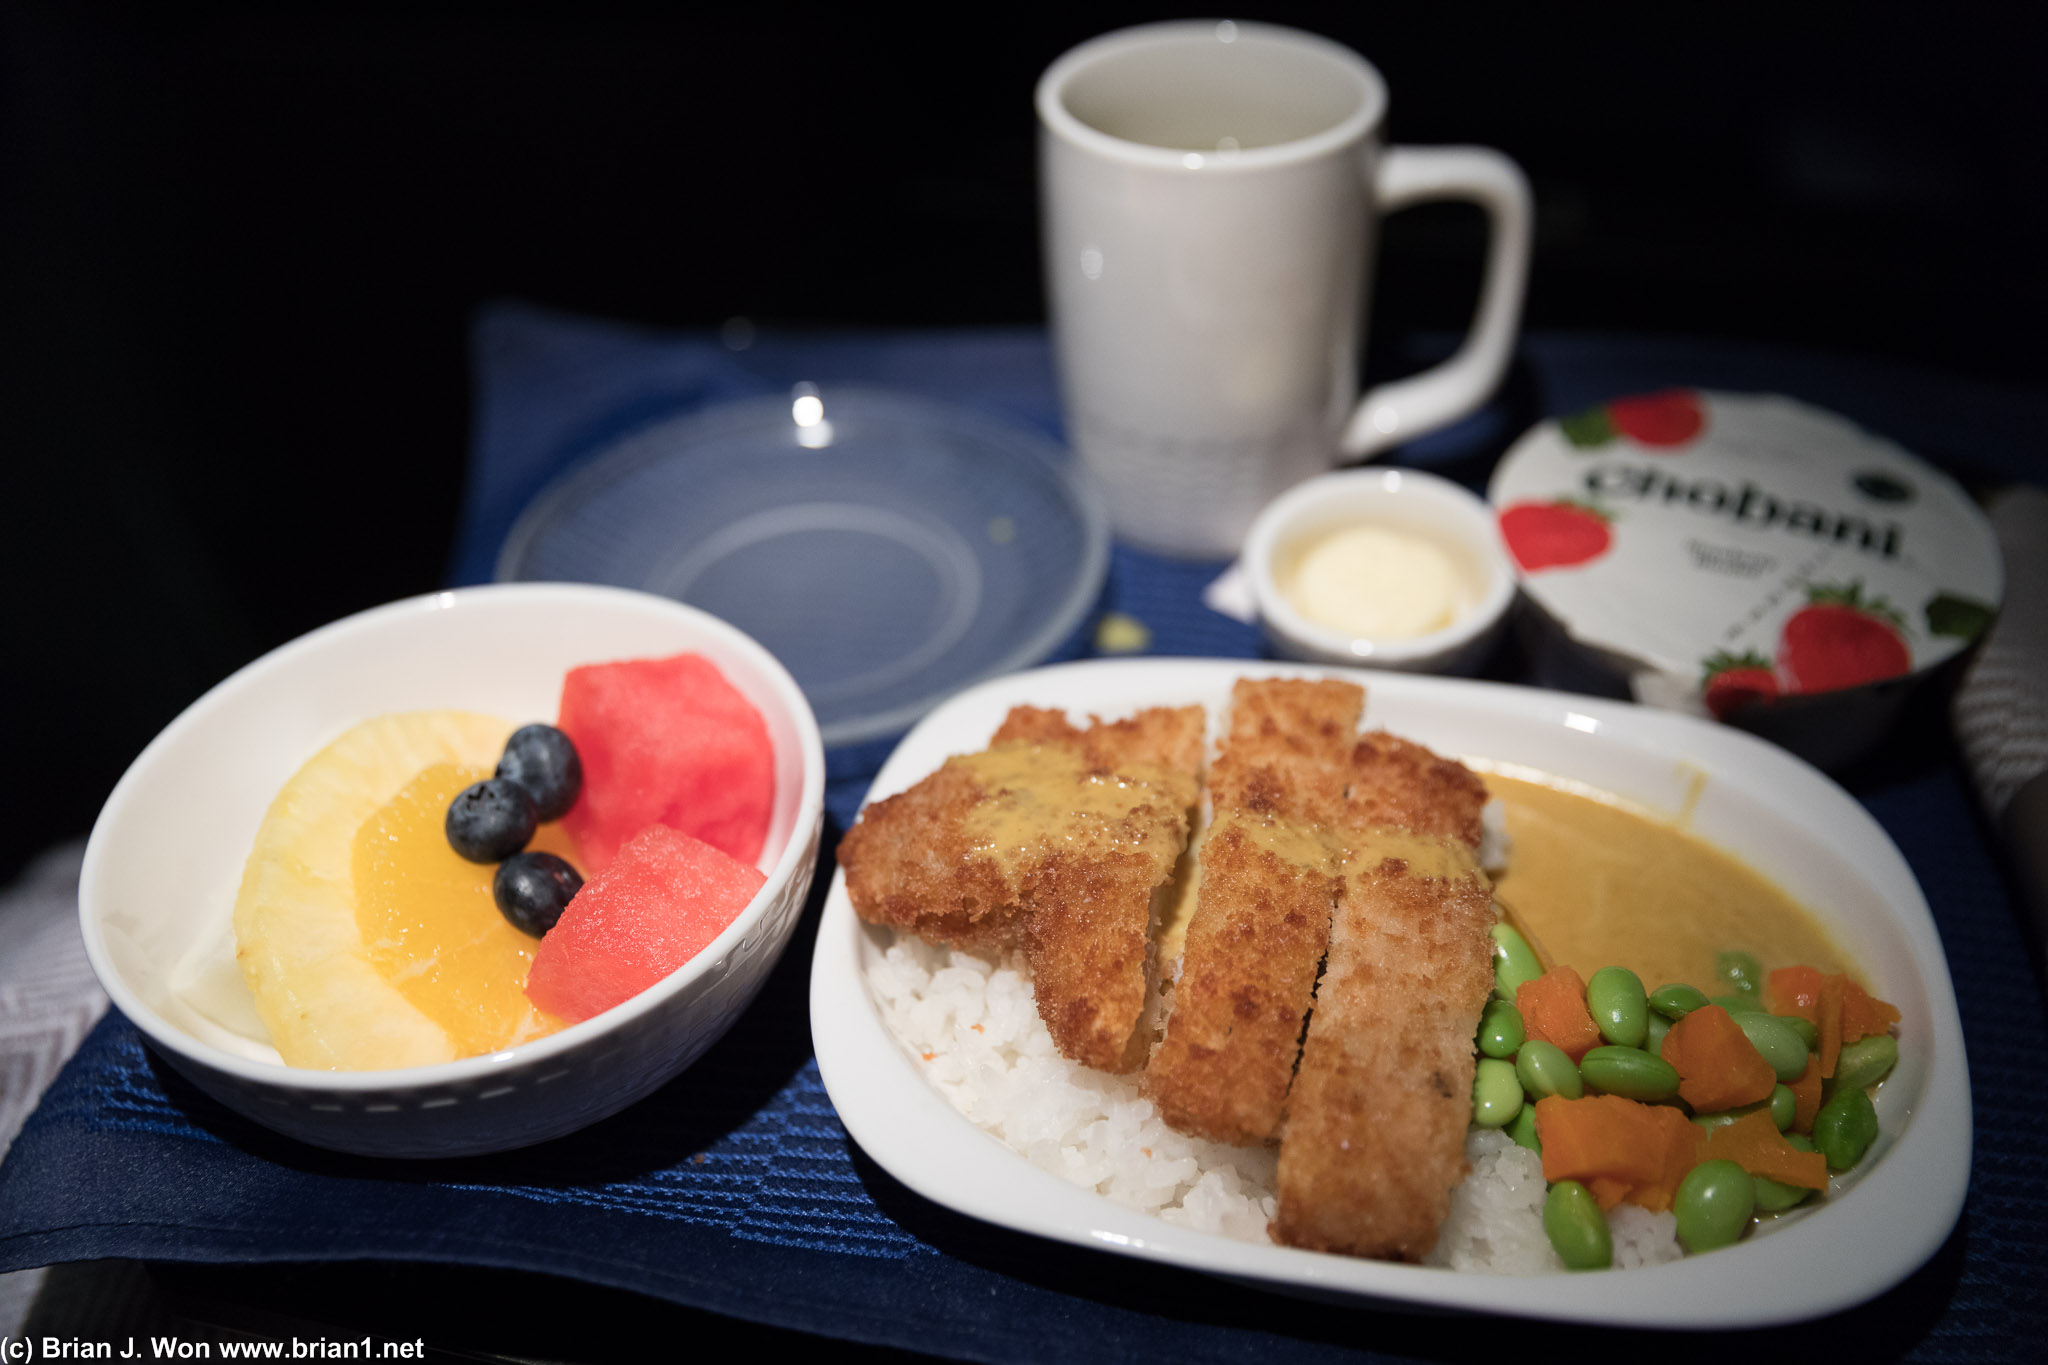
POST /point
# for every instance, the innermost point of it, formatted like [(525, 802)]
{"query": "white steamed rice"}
[(975, 1028)]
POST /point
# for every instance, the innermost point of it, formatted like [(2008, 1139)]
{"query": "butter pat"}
[(1374, 582)]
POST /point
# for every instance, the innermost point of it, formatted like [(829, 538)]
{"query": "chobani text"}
[(1746, 504)]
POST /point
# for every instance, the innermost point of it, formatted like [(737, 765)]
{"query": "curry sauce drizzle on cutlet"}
[(1262, 912), (1373, 1140), (1055, 838)]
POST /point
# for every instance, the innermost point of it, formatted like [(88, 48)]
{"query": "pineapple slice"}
[(325, 1002)]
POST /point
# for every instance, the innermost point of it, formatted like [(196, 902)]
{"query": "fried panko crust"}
[(1276, 718), (1285, 752), (910, 864), (1164, 736), (1398, 784), (1081, 912), (1089, 944), (1374, 1137), (1262, 913), (1374, 1140)]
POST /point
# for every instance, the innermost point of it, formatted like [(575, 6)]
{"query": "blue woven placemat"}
[(735, 1189)]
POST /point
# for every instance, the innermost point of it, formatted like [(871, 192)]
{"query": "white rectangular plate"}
[(1780, 815)]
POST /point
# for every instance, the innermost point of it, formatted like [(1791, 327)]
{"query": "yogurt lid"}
[(1740, 548)]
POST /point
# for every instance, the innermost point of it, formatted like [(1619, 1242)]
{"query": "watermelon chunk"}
[(662, 899), (668, 742)]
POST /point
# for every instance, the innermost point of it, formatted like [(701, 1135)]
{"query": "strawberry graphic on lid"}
[(1555, 535), (1662, 420), (1670, 418), (1732, 682), (1841, 639)]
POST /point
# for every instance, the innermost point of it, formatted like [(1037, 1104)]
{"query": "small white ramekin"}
[(167, 852), (1402, 500)]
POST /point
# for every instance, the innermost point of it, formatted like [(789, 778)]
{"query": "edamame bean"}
[(1739, 1004), (1576, 1227), (1514, 961), (1866, 1061), (1523, 1130), (1782, 1111), (1545, 1069), (1739, 972), (1630, 1073), (1714, 1204), (1802, 1026), (1620, 1009), (1496, 1093), (1774, 1196), (1676, 1000), (1844, 1128), (1779, 1045), (1500, 1029), (1653, 1036)]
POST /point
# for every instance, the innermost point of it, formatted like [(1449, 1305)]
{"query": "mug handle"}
[(1407, 408)]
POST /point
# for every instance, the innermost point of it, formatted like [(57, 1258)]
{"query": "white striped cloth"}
[(2001, 709), (49, 1001)]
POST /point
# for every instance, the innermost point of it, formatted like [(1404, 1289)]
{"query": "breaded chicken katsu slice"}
[(1162, 737), (1393, 783), (1374, 1136), (1269, 880), (1296, 732), (1056, 838)]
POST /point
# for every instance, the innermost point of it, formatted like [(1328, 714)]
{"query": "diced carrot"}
[(1621, 1149), (1806, 1096), (1830, 1022), (1607, 1191), (1794, 990), (1754, 1143), (1599, 1135), (1863, 1014), (1718, 1067), (1683, 1141), (1553, 1008)]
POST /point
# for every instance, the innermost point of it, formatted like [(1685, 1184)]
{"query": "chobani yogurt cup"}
[(1744, 556)]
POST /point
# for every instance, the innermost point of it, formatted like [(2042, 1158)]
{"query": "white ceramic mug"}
[(1210, 193)]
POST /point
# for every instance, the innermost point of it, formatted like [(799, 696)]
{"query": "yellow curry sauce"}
[(1044, 796), (1602, 883), (1300, 843)]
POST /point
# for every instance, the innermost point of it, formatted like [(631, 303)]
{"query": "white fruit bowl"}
[(166, 855)]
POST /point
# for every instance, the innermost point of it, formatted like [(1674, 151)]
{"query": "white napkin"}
[(1230, 593)]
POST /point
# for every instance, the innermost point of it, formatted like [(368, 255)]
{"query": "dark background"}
[(239, 246)]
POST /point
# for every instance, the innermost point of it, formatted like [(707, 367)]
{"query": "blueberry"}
[(491, 820), (541, 759), (531, 890)]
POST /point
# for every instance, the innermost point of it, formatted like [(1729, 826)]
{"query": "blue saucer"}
[(888, 550)]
